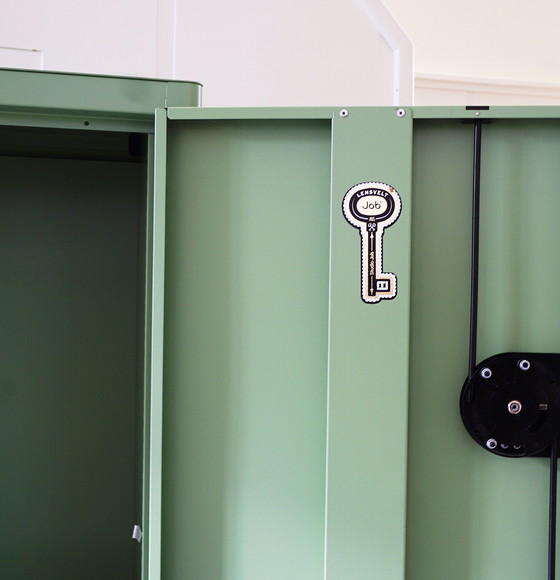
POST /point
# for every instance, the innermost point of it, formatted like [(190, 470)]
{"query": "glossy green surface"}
[(245, 361), (307, 435), (472, 515), (470, 113), (368, 362), (36, 110), (93, 95), (269, 350), (155, 279)]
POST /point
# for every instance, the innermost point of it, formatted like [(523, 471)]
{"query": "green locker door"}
[(80, 379), (284, 393)]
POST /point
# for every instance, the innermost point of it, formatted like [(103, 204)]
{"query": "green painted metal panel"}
[(486, 112), (236, 383), (245, 363), (439, 517), (241, 113), (307, 434), (37, 109), (368, 360), (457, 496), (95, 95), (155, 342), (472, 515)]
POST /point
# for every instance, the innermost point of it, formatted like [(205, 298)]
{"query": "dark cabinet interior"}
[(72, 313)]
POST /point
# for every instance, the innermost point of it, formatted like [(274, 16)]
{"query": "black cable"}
[(475, 245), (473, 342), (552, 510)]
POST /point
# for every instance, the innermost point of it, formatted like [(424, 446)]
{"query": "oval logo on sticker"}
[(372, 205)]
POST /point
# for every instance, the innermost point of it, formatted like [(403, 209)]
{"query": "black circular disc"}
[(511, 405)]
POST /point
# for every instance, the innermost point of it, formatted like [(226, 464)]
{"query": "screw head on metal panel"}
[(344, 113), (524, 365), (401, 113), (491, 444), (514, 407), (486, 373)]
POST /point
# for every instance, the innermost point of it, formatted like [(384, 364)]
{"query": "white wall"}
[(115, 37), (311, 52), (451, 90), (500, 51), (246, 53), (489, 39)]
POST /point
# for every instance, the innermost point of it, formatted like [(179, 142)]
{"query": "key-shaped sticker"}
[(371, 207)]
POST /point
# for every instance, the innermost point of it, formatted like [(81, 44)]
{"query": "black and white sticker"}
[(371, 207)]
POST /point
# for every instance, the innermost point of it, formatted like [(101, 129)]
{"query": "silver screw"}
[(486, 373), (477, 114), (524, 365), (491, 444), (514, 407), (344, 113), (401, 113), (517, 447)]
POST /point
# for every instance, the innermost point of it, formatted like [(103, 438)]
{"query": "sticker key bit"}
[(371, 207)]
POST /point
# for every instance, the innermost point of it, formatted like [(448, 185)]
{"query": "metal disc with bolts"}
[(511, 404)]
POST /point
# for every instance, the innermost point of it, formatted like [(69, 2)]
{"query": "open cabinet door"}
[(81, 306), (284, 389)]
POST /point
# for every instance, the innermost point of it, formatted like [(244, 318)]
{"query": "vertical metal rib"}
[(475, 246)]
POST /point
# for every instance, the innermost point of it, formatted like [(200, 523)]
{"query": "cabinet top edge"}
[(68, 93)]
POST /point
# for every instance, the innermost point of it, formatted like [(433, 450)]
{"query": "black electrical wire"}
[(475, 245), (473, 342), (552, 510)]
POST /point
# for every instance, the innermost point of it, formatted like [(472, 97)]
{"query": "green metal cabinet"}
[(81, 310), (186, 346)]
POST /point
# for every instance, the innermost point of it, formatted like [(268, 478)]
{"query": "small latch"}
[(137, 533)]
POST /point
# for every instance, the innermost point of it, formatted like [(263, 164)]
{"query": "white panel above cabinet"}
[(245, 53)]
